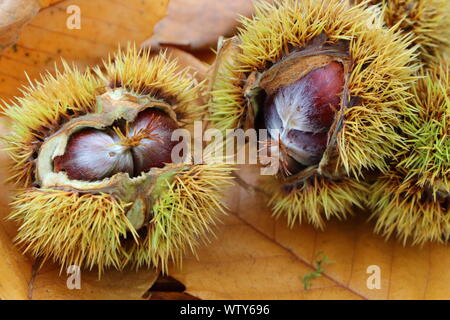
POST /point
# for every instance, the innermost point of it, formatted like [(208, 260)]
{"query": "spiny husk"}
[(427, 20), (47, 104), (141, 74), (93, 230), (381, 76), (90, 227), (426, 156), (185, 211), (413, 200), (72, 229), (408, 211), (44, 106), (317, 199), (228, 105)]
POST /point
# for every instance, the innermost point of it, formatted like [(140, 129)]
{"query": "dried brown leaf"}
[(105, 25), (257, 257), (128, 284), (14, 14), (198, 24)]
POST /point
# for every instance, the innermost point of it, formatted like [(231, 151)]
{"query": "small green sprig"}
[(321, 259)]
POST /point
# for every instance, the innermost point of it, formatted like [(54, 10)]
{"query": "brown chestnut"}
[(133, 148)]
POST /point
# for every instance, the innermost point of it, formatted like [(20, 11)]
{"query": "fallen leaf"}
[(15, 268), (105, 24), (128, 284), (258, 257), (167, 288), (198, 24), (47, 3), (14, 14)]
